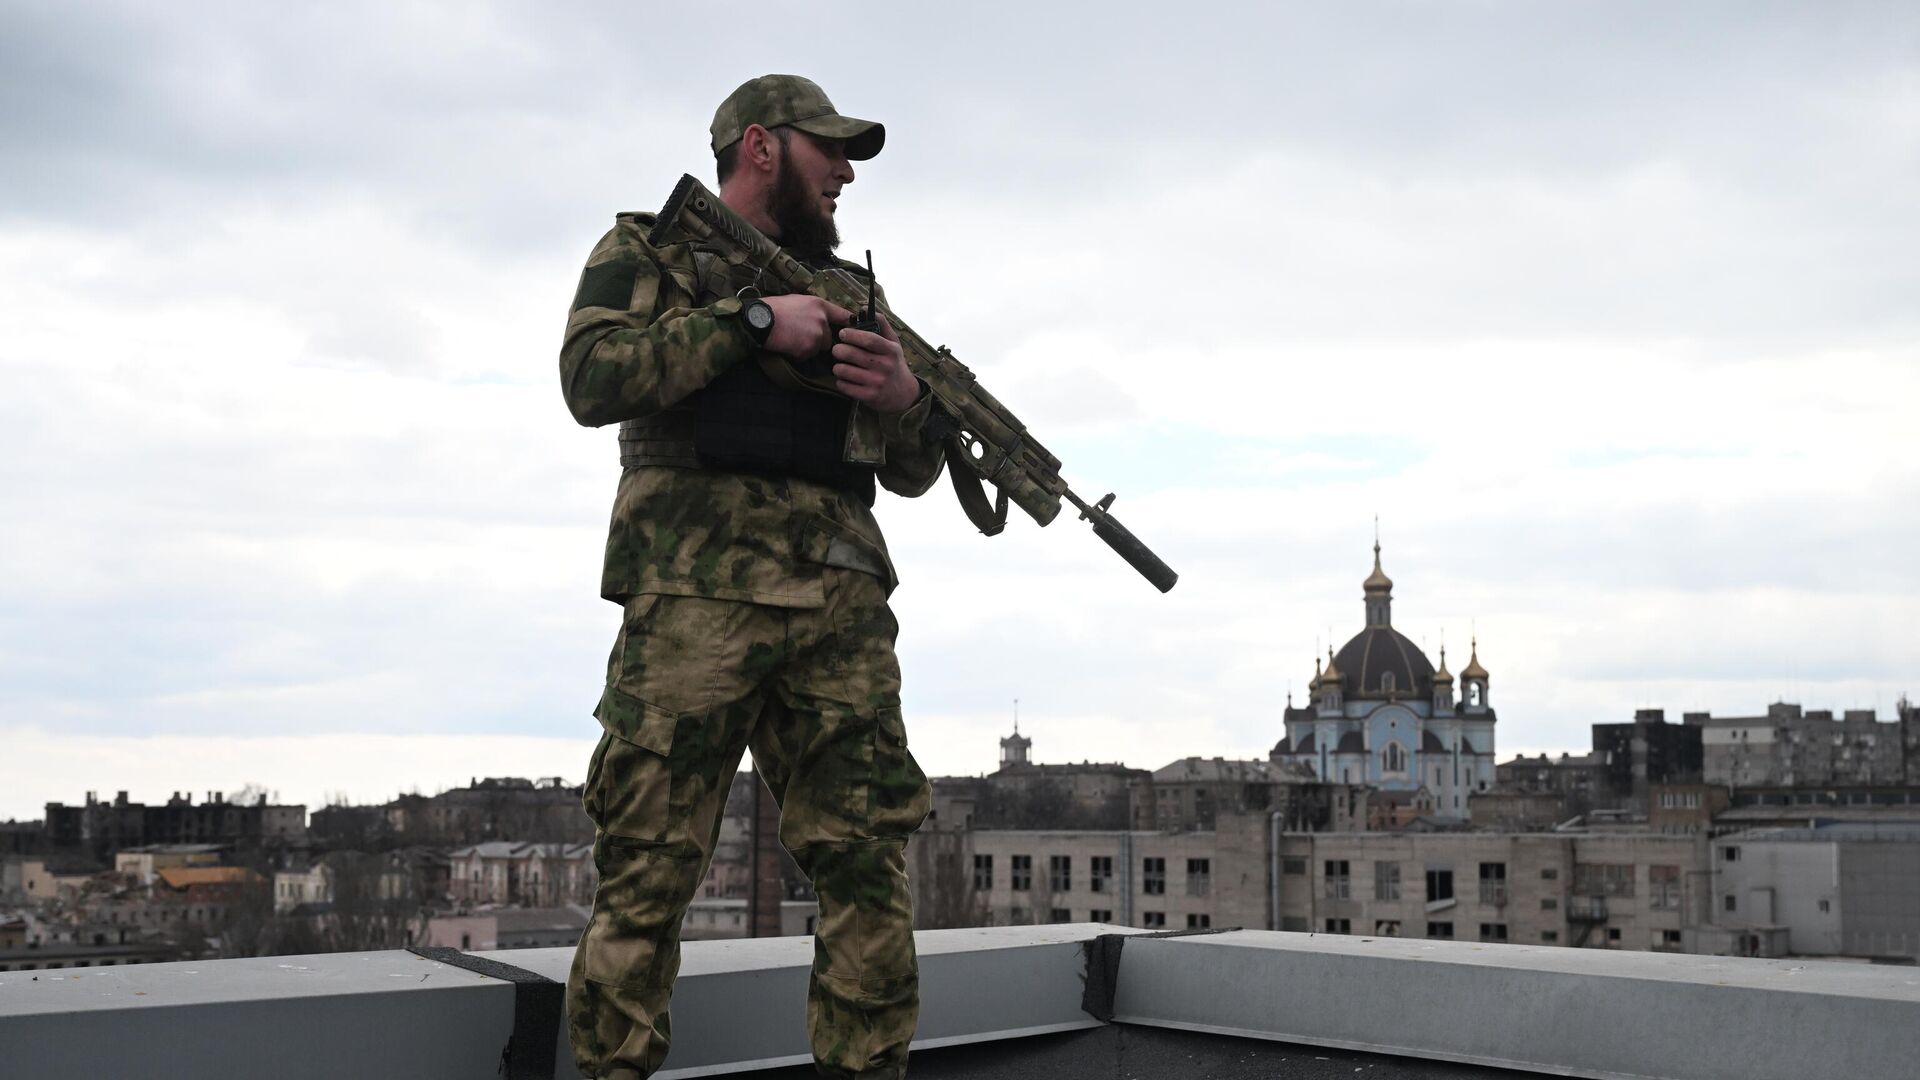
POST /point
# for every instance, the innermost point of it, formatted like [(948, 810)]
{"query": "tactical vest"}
[(743, 421)]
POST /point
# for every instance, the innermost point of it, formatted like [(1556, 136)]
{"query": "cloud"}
[(1604, 312)]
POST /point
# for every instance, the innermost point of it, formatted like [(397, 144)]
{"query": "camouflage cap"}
[(773, 100)]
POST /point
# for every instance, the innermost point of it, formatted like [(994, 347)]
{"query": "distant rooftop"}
[(510, 849), (1834, 832), (1205, 769)]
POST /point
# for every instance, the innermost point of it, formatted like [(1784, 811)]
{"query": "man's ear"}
[(759, 147)]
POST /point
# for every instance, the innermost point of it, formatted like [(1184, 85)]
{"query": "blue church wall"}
[(1393, 724)]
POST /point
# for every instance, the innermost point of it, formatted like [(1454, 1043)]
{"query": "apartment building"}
[(1605, 890), (1155, 880)]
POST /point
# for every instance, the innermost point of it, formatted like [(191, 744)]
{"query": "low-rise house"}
[(142, 864), (508, 928), (529, 875), (204, 895), (376, 878)]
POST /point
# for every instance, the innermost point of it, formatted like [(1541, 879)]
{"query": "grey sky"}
[(1605, 309)]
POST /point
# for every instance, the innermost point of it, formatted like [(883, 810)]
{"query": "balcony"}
[(1053, 1002), (1587, 909)]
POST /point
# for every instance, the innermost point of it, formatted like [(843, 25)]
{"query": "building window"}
[(1549, 937), (466, 941), (1395, 758), (1440, 930), (1549, 903), (1022, 873), (1199, 922), (1825, 906), (1293, 864), (1101, 915), (1493, 883), (1019, 916), (1099, 873), (982, 872), (1613, 935), (1339, 926), (1339, 882), (1386, 928), (1386, 881), (1603, 879), (1060, 873), (1493, 931), (1153, 878), (1295, 924), (1199, 877), (1153, 920), (1663, 888), (1059, 915), (1439, 887), (1730, 853), (1730, 902), (1550, 874)]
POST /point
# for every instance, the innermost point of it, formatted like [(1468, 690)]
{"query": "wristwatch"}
[(758, 317)]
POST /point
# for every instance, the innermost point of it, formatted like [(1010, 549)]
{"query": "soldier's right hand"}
[(803, 325)]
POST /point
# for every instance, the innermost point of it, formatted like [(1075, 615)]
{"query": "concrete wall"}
[(1880, 892)]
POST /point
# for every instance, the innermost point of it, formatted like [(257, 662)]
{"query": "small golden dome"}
[(1473, 670), (1378, 581)]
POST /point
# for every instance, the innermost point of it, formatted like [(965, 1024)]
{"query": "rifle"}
[(984, 441)]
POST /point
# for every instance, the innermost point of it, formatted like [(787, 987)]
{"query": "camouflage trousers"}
[(815, 692)]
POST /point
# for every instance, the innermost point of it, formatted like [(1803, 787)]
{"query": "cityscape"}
[(1253, 541), (1383, 810)]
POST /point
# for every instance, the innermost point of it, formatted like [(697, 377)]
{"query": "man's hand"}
[(871, 368), (803, 325)]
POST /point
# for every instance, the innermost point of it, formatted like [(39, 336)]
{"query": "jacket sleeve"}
[(622, 358), (913, 460)]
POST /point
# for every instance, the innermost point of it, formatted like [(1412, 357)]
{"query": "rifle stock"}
[(987, 439)]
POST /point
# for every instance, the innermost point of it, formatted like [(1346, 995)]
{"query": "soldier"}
[(754, 582)]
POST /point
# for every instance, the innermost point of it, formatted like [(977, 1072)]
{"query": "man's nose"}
[(843, 169)]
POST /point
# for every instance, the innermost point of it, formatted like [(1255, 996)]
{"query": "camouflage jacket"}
[(646, 331)]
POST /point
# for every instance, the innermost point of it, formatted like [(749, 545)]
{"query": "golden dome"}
[(1473, 670), (1441, 676), (1332, 674), (1378, 581)]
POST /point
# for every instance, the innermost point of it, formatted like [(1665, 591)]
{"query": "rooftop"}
[(180, 877), (1059, 1002)]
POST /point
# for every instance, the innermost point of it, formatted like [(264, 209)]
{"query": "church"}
[(1379, 715)]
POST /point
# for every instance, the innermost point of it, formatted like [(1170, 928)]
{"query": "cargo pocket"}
[(898, 789), (631, 793)]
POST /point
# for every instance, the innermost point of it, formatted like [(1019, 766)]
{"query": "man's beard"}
[(804, 228)]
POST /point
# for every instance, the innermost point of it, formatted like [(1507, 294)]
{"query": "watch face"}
[(759, 316)]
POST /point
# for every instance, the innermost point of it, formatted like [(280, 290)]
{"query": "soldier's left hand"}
[(870, 368)]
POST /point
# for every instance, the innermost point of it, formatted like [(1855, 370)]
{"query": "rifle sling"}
[(989, 518)]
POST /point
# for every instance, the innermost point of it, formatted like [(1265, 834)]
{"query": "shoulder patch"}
[(607, 285)]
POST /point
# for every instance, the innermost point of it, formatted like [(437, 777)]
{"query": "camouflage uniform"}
[(755, 615)]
